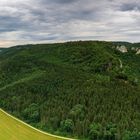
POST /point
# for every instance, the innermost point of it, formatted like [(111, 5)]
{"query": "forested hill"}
[(84, 89)]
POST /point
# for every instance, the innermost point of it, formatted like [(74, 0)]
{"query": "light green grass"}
[(14, 129)]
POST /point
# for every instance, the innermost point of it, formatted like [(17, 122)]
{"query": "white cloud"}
[(28, 21)]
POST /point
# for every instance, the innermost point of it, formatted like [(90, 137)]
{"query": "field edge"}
[(45, 133)]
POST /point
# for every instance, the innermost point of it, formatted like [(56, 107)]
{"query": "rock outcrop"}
[(125, 49), (138, 51), (122, 49)]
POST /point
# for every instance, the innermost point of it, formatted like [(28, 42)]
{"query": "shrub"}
[(67, 125)]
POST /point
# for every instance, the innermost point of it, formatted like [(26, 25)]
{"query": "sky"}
[(46, 21)]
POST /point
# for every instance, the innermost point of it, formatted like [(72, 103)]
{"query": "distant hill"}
[(84, 89)]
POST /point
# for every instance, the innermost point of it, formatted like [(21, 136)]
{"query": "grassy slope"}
[(12, 129)]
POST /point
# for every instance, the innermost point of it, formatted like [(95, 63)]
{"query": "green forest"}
[(87, 90)]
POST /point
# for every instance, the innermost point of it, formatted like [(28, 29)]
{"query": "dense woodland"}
[(75, 89)]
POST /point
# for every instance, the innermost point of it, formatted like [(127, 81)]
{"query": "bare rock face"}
[(138, 51), (122, 49), (125, 49)]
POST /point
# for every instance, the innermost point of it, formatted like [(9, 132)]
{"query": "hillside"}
[(84, 89)]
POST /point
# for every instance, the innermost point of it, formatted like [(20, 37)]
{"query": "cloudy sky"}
[(36, 21)]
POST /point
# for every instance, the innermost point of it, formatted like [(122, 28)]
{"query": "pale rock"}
[(122, 49), (138, 51)]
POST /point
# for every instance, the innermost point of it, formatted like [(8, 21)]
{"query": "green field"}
[(13, 129)]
